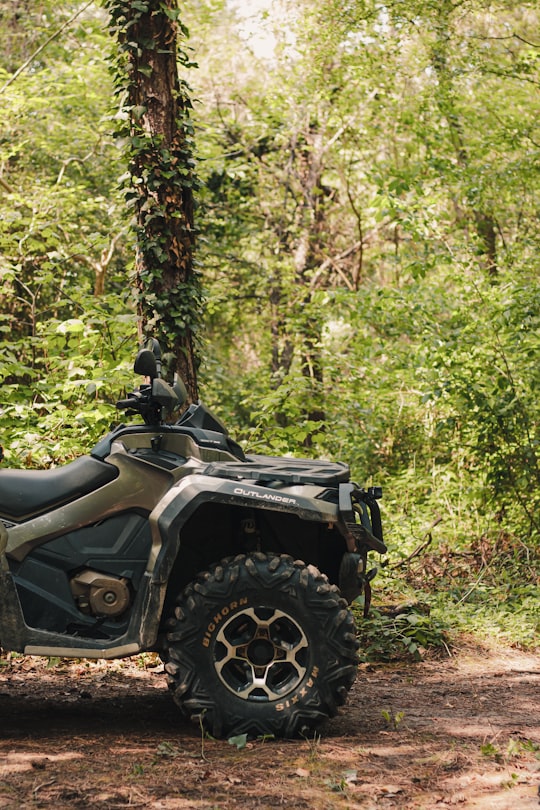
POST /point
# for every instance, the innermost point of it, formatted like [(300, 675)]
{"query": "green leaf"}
[(71, 326), (138, 111), (240, 741)]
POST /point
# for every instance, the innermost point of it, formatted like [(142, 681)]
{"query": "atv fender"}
[(185, 497)]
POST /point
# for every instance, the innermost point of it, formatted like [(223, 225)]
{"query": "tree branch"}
[(6, 186), (42, 47)]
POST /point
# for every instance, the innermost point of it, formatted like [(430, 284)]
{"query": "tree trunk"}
[(162, 178)]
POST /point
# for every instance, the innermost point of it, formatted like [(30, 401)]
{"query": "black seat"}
[(25, 493)]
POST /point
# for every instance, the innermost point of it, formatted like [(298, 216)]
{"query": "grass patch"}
[(494, 612), (413, 622), (406, 631)]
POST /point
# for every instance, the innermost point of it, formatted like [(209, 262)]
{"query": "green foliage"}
[(496, 414), (368, 242), (60, 387), (514, 749), (394, 719), (505, 613), (65, 308), (59, 207), (494, 608), (409, 633)]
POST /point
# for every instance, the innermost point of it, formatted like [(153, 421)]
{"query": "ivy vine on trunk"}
[(155, 123)]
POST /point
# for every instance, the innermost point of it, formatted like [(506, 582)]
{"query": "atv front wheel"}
[(261, 645)]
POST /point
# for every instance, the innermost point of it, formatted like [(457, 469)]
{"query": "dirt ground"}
[(463, 732)]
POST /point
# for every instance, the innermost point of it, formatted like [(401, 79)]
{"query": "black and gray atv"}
[(237, 569)]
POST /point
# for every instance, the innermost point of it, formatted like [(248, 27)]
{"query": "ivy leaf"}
[(138, 111), (172, 13)]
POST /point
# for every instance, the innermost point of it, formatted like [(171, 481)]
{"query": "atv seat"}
[(25, 493)]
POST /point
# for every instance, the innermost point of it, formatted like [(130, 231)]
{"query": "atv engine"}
[(100, 594)]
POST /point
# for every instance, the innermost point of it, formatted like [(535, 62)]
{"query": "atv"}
[(236, 569)]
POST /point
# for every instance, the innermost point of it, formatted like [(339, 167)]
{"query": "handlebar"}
[(130, 402), (151, 401)]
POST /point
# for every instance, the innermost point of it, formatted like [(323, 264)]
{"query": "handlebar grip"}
[(130, 402)]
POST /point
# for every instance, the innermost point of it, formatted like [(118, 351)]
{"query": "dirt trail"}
[(459, 733)]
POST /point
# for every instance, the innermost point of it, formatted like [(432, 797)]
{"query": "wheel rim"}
[(261, 654)]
